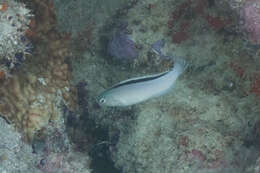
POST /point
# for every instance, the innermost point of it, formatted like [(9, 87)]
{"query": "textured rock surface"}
[(15, 19), (15, 155), (209, 123), (50, 153), (31, 101), (122, 47), (202, 125), (34, 93), (74, 16), (250, 13)]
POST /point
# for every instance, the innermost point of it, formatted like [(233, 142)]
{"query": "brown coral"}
[(31, 101), (33, 95)]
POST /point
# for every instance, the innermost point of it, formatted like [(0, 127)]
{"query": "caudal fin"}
[(180, 65)]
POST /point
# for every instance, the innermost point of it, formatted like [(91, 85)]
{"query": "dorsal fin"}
[(139, 79)]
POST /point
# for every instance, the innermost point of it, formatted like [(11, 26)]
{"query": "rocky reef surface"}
[(15, 19), (50, 118), (207, 123)]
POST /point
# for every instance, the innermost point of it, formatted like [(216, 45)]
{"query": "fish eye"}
[(102, 100)]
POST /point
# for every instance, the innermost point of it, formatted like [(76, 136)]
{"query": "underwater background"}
[(57, 57)]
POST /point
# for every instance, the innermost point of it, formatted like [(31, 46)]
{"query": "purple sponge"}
[(122, 47), (251, 14)]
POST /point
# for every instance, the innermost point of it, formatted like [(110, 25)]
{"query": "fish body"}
[(140, 89)]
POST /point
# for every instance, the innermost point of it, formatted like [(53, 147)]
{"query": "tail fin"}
[(180, 65)]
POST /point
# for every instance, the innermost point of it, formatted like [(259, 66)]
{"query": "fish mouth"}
[(101, 100)]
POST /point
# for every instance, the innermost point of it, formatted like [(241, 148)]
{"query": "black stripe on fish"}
[(141, 79)]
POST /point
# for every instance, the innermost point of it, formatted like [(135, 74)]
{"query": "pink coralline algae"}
[(251, 15)]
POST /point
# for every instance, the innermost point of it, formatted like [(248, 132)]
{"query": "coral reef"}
[(33, 95), (183, 19), (15, 18), (250, 13), (254, 168), (248, 23), (31, 101), (235, 4), (70, 162), (74, 18), (209, 123), (55, 152), (122, 47), (15, 155), (50, 152), (202, 125), (246, 68)]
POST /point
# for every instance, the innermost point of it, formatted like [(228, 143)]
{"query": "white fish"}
[(140, 89)]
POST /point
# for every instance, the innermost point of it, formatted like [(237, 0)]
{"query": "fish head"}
[(108, 99)]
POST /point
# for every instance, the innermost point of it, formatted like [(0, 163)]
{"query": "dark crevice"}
[(88, 137)]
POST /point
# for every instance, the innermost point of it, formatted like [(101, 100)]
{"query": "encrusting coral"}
[(33, 95), (15, 20), (31, 101)]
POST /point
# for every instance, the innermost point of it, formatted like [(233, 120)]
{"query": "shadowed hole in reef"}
[(252, 139), (88, 137), (100, 155)]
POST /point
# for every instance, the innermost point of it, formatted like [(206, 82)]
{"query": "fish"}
[(137, 90)]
